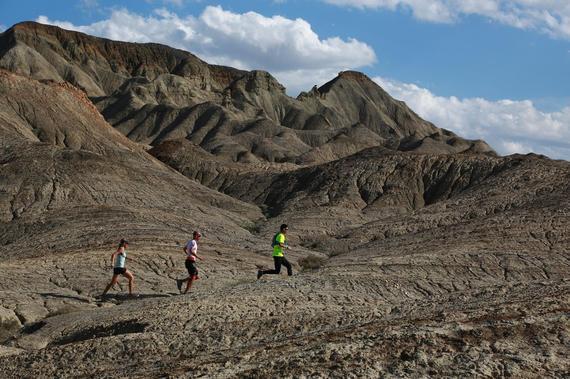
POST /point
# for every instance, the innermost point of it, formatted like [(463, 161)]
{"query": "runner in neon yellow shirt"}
[(279, 244)]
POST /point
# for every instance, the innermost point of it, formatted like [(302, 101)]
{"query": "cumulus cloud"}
[(509, 126), (283, 46), (548, 16), (511, 147)]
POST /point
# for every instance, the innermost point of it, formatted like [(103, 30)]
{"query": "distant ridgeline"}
[(153, 93)]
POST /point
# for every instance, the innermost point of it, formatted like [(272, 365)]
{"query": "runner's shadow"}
[(127, 297), (60, 296)]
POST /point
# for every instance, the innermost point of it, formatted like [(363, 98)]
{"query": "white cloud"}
[(548, 16), (2, 28), (249, 40), (511, 147), (509, 126)]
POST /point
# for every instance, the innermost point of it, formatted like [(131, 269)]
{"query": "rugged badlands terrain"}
[(417, 253)]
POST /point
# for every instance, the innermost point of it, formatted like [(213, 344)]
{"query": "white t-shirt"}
[(191, 247)]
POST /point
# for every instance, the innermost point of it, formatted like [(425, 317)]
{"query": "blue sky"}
[(494, 69)]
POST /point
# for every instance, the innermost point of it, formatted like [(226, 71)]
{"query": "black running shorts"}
[(119, 271), (191, 267)]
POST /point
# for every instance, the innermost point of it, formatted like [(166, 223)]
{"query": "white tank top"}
[(120, 259)]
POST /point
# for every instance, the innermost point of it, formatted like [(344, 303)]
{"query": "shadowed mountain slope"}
[(153, 93), (338, 198), (375, 179), (63, 165)]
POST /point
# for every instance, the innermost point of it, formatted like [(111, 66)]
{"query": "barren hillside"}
[(153, 93)]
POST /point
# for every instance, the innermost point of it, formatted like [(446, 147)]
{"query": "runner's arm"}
[(283, 244), (119, 251), (113, 257), (194, 252)]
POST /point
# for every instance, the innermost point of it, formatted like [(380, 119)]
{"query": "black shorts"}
[(119, 271), (191, 267)]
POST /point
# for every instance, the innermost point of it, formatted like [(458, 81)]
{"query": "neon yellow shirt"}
[(278, 250)]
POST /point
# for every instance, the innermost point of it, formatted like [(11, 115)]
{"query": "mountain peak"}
[(259, 79), (32, 25), (355, 77)]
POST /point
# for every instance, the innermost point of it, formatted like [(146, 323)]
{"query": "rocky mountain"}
[(153, 93), (416, 253)]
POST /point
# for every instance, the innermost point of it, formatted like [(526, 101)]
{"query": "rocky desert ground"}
[(416, 253)]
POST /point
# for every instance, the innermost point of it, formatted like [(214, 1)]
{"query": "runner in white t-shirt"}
[(191, 251)]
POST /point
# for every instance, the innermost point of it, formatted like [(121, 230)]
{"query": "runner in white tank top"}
[(118, 260)]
